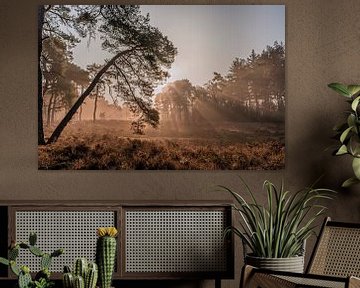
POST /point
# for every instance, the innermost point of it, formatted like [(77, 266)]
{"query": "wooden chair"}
[(335, 262)]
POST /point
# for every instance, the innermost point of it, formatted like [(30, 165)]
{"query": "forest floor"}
[(110, 145)]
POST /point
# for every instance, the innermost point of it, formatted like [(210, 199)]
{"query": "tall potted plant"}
[(348, 132), (276, 233)]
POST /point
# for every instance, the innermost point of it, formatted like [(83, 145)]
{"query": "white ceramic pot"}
[(291, 264)]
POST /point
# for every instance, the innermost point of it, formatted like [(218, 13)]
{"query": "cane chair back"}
[(335, 262), (337, 252)]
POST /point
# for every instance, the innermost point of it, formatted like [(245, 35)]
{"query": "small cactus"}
[(14, 268), (79, 282), (67, 269), (4, 261), (80, 267), (45, 261), (57, 252), (24, 278), (36, 251), (24, 246), (106, 254), (68, 280), (89, 272), (32, 238), (91, 276), (13, 253)]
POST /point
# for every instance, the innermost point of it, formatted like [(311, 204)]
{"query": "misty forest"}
[(111, 115)]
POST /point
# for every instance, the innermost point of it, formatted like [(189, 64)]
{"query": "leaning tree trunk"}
[(41, 138), (58, 130)]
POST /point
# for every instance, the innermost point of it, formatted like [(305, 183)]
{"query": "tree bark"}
[(53, 110), (81, 106), (59, 129), (95, 103), (41, 138), (80, 113), (50, 106)]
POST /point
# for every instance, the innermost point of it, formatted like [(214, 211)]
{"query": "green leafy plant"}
[(280, 229), (43, 283), (348, 132), (42, 278)]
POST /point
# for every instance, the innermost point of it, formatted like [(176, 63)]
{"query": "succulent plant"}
[(106, 254), (42, 278), (85, 275)]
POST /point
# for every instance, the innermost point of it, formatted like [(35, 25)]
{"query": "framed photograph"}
[(161, 87)]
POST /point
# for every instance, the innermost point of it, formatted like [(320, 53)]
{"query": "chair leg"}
[(246, 274), (251, 279), (217, 283)]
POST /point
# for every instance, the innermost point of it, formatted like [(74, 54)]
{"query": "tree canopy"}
[(253, 89), (141, 56)]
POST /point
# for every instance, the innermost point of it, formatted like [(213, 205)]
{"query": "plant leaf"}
[(342, 150), (340, 88), (354, 144), (355, 103), (345, 134), (356, 167), (4, 261), (353, 89), (349, 182), (351, 119)]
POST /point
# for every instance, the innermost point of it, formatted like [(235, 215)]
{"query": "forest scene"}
[(155, 87)]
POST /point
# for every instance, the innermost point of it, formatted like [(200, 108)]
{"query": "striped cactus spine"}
[(106, 254), (80, 267), (79, 282), (68, 280), (91, 276)]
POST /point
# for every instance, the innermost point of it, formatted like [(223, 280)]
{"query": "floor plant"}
[(279, 228)]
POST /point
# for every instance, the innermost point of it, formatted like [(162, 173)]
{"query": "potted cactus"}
[(42, 278), (84, 275), (106, 254)]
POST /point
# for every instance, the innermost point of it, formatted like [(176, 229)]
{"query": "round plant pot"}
[(291, 264)]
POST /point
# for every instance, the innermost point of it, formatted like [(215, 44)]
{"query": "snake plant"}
[(279, 228)]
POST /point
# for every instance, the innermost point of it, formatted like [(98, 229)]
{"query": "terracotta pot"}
[(291, 264)]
